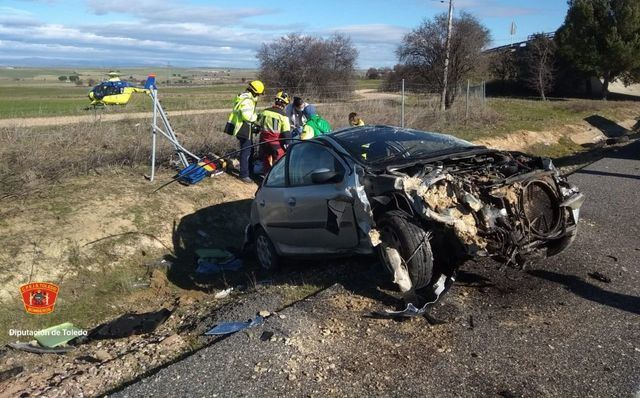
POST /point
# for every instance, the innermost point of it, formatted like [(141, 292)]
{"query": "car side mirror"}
[(323, 176)]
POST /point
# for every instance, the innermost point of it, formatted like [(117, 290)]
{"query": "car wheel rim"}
[(264, 252)]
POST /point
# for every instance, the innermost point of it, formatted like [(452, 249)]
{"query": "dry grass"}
[(421, 112), (33, 156)]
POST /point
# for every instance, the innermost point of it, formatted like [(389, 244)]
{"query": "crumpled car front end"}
[(504, 205)]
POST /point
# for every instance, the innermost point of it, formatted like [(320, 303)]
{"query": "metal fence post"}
[(402, 112), (484, 92), (467, 104), (154, 96)]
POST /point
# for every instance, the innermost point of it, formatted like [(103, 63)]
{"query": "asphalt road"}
[(549, 331)]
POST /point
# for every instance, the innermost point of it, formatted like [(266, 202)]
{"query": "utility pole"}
[(402, 117), (446, 58)]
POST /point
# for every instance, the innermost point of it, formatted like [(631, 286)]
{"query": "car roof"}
[(383, 128)]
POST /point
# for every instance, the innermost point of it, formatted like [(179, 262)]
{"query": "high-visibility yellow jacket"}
[(274, 124), (243, 113), (358, 122)]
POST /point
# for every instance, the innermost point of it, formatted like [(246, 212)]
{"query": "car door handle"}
[(261, 203), (292, 202)]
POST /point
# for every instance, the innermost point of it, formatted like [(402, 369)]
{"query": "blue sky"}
[(227, 33)]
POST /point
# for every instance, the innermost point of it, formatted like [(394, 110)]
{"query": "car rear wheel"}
[(411, 242), (265, 251)]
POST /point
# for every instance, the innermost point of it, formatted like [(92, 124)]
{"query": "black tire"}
[(265, 251), (399, 232)]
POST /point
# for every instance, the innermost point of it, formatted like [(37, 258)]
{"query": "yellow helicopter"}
[(118, 92)]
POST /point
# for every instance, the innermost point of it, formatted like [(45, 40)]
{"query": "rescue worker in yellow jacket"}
[(354, 120), (241, 119), (275, 131)]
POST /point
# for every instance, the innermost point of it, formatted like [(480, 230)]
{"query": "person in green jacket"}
[(239, 124), (314, 127)]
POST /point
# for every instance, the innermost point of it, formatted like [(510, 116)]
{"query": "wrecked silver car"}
[(425, 202)]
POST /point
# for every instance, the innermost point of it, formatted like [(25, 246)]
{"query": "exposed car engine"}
[(509, 206)]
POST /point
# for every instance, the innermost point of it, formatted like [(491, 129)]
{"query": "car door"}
[(271, 205), (320, 215)]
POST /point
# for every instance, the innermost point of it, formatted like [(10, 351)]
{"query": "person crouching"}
[(275, 131)]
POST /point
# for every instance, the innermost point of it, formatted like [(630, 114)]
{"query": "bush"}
[(372, 73)]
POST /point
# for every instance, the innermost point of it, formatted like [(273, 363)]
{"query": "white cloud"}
[(184, 36), (171, 11)]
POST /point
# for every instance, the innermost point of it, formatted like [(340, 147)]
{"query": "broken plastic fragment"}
[(206, 267), (441, 285), (233, 327), (214, 254), (37, 349), (266, 335), (223, 293), (58, 335), (600, 277)]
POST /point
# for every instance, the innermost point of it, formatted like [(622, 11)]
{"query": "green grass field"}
[(66, 99), (30, 92)]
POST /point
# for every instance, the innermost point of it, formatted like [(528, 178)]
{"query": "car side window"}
[(276, 177), (304, 158)]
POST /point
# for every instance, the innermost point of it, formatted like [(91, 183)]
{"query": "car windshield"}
[(376, 145)]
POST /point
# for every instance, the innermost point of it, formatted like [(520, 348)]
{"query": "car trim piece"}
[(306, 225)]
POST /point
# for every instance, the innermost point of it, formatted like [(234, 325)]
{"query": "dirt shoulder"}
[(90, 118)]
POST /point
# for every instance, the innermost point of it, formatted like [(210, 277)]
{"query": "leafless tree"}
[(424, 49), (540, 57), (305, 64)]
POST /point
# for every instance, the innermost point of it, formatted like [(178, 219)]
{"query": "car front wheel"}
[(265, 251), (412, 244)]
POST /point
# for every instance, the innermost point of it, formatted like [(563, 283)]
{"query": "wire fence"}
[(78, 148)]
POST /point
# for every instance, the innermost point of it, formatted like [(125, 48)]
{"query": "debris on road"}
[(206, 267), (409, 312), (266, 335), (436, 290), (233, 327), (10, 373), (130, 324), (57, 335), (35, 348), (212, 261), (218, 255), (223, 293), (600, 277)]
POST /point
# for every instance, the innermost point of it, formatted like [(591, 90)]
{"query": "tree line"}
[(599, 38)]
